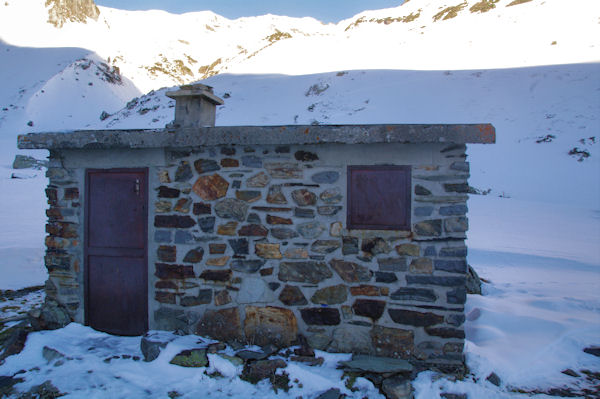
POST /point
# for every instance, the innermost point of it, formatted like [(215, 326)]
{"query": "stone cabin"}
[(352, 235)]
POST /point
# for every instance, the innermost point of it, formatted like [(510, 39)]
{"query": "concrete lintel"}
[(261, 135)]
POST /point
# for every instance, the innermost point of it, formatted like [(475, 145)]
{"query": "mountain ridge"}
[(193, 46)]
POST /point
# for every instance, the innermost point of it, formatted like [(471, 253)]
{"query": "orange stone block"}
[(270, 325), (211, 187)]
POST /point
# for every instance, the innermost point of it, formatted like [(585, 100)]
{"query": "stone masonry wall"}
[(64, 247), (249, 244)]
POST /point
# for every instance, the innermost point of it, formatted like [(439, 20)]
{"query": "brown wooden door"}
[(116, 220)]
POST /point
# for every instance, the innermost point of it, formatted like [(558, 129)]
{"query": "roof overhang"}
[(261, 135)]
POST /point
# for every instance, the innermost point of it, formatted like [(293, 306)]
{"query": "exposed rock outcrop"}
[(62, 11)]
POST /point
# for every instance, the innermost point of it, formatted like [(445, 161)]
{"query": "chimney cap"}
[(196, 90)]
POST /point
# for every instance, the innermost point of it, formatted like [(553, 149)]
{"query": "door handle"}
[(136, 188)]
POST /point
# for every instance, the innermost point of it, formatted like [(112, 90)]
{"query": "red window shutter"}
[(379, 197)]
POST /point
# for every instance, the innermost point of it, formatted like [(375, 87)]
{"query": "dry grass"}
[(386, 21), (209, 70), (483, 6), (278, 35), (175, 69), (411, 17), (449, 12), (517, 2)]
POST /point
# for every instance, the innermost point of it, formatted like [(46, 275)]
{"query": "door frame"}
[(86, 209)]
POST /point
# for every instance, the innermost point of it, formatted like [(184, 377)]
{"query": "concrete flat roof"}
[(261, 135)]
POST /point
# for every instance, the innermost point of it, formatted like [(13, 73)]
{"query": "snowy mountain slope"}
[(155, 48), (54, 89), (89, 83), (21, 72), (413, 36)]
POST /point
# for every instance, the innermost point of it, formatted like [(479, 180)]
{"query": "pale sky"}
[(323, 10)]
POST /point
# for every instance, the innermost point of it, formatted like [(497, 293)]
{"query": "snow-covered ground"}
[(93, 366)]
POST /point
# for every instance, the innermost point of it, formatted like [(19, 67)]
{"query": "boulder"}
[(332, 393), (494, 379), (51, 354), (43, 391), (261, 369), (473, 281), (6, 385), (51, 316), (593, 350), (27, 162), (152, 344), (12, 340), (397, 388), (191, 358)]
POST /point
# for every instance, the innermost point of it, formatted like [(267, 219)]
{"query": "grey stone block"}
[(453, 252), (169, 319), (326, 177), (247, 265), (252, 161), (306, 213), (457, 224), (457, 296), (423, 211), (453, 210), (428, 228), (392, 264), (429, 251), (453, 266), (460, 166), (414, 294), (445, 281), (162, 236), (385, 277), (456, 187), (207, 224), (183, 237)]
